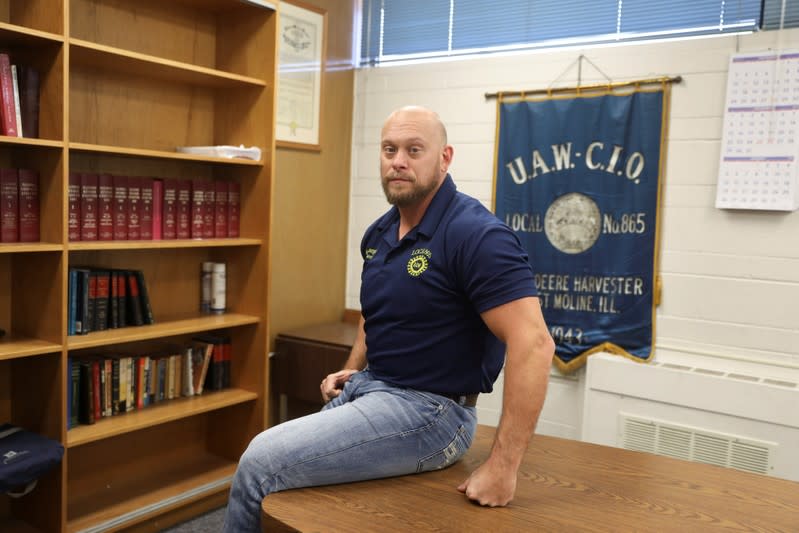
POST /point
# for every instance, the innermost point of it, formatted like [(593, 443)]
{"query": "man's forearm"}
[(356, 361), (357, 357), (524, 391)]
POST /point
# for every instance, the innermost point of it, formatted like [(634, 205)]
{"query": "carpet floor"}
[(210, 522)]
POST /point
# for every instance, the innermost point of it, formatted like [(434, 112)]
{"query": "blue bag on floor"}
[(24, 458)]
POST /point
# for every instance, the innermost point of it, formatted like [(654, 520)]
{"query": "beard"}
[(407, 197)]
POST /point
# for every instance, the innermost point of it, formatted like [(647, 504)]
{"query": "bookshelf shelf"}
[(121, 86), (157, 154), (16, 526), (215, 5), (21, 35), (161, 329), (160, 413), (163, 244), (95, 55), (27, 141), (25, 247), (15, 347), (182, 480)]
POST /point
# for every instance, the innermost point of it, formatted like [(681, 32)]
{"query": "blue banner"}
[(578, 181)]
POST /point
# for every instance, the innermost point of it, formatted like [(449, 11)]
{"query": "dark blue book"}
[(72, 293)]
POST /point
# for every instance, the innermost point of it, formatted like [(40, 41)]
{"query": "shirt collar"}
[(435, 211), (433, 214)]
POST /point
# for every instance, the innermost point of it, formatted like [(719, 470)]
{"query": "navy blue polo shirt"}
[(421, 297)]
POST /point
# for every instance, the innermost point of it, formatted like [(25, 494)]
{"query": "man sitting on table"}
[(446, 293)]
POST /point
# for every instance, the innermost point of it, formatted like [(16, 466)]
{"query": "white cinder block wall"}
[(730, 278)]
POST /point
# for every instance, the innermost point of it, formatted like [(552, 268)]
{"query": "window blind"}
[(397, 30), (772, 11)]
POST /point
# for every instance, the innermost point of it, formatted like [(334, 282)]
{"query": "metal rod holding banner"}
[(583, 89)]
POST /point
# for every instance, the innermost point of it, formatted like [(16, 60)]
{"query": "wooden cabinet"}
[(122, 85), (303, 357)]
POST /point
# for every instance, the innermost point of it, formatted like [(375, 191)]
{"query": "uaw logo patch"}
[(419, 261)]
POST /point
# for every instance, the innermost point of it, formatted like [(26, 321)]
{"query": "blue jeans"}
[(371, 430)]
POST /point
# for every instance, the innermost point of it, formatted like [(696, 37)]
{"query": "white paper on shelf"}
[(225, 151), (261, 3)]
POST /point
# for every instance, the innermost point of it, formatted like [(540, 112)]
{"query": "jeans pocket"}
[(449, 455), (432, 400)]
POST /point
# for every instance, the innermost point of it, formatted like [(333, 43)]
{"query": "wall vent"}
[(731, 375), (695, 444)]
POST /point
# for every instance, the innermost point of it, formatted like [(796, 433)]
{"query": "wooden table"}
[(564, 485)]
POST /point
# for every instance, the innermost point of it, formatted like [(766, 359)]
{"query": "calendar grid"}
[(760, 139)]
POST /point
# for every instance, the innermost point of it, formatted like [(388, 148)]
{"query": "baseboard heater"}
[(730, 419)]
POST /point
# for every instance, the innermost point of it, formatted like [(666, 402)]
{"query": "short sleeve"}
[(493, 268)]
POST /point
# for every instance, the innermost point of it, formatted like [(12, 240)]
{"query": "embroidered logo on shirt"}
[(419, 261), (11, 456), (370, 253)]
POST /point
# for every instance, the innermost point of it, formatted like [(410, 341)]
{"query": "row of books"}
[(106, 207), (19, 99), (101, 299), (105, 385), (19, 205)]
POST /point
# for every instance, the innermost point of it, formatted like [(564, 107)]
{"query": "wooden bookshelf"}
[(111, 58), (196, 475), (156, 154), (144, 245), (122, 85), (12, 347), (161, 413), (166, 328)]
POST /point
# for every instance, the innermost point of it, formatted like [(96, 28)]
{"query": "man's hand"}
[(491, 484), (331, 386)]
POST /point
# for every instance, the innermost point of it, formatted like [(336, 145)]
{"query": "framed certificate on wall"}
[(302, 49)]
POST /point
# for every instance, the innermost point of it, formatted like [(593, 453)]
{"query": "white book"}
[(17, 111), (188, 377)]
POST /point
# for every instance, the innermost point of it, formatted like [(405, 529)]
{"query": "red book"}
[(7, 108), (105, 207), (134, 208), (233, 207), (96, 390), (197, 209), (184, 209), (134, 310), (210, 209), (88, 207), (101, 304), (9, 205), (170, 211), (158, 209), (122, 298), (74, 206), (146, 219), (141, 366), (28, 205), (220, 209), (120, 208)]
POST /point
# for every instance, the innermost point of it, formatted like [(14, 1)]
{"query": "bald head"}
[(423, 116), (414, 158)]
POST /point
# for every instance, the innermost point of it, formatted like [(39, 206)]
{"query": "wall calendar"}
[(760, 139)]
